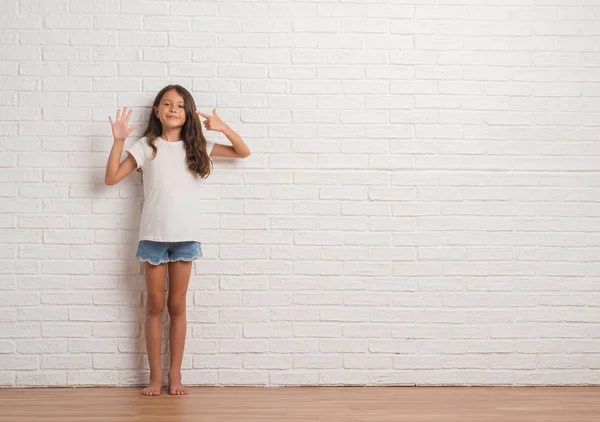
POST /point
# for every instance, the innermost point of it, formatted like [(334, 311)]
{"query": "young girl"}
[(174, 157)]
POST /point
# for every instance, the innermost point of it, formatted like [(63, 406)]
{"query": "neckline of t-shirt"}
[(169, 142)]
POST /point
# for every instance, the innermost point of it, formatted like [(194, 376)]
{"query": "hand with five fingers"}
[(213, 122), (119, 128)]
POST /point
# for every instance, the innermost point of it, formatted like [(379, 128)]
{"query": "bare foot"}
[(175, 386), (153, 388)]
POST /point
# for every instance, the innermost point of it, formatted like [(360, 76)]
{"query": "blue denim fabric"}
[(160, 252)]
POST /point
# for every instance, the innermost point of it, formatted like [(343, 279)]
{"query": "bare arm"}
[(238, 148), (115, 169)]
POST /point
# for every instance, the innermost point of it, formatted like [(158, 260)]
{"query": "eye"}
[(180, 106)]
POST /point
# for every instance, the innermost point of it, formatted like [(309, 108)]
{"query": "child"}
[(174, 157)]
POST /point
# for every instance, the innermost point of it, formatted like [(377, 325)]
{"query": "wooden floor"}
[(332, 404)]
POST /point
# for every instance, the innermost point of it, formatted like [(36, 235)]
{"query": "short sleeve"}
[(138, 151), (209, 147)]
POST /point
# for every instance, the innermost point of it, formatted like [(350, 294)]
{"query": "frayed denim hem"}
[(185, 259), (168, 260)]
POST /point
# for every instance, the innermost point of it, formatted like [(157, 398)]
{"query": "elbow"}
[(247, 154), (109, 181)]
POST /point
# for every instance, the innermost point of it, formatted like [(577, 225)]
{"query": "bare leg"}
[(155, 305), (179, 279)]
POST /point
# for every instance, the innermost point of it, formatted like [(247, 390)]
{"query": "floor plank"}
[(332, 404)]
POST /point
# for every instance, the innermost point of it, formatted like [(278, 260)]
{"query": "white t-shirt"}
[(172, 192)]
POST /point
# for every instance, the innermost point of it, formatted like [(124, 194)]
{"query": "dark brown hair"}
[(198, 160)]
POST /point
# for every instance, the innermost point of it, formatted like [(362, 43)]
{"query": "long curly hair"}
[(198, 160)]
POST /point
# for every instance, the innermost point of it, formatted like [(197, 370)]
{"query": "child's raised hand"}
[(213, 122), (119, 128)]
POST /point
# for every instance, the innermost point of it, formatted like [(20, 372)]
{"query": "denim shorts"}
[(160, 252)]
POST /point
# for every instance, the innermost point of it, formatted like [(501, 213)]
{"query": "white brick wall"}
[(421, 205)]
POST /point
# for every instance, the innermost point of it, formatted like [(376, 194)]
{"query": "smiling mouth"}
[(173, 117)]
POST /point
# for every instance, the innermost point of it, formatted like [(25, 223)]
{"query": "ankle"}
[(156, 377)]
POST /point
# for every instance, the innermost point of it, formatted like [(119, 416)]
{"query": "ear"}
[(155, 110)]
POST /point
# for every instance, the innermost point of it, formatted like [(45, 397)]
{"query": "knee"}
[(176, 306), (155, 306)]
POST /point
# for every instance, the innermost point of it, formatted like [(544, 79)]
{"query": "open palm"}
[(119, 128)]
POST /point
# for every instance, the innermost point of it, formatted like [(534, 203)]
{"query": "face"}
[(170, 110)]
